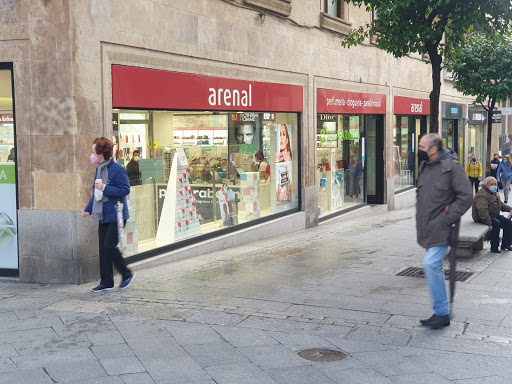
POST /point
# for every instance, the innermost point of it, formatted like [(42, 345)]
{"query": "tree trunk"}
[(435, 61), (488, 155)]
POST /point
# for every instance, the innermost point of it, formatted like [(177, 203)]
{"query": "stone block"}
[(188, 27), (9, 10), (56, 161), (56, 191), (51, 78)]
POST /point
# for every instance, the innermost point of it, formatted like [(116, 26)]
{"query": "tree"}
[(419, 26), (481, 66)]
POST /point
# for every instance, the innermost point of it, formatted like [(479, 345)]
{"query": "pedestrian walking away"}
[(504, 174), (495, 163), (443, 195), (474, 172), (486, 209), (111, 185)]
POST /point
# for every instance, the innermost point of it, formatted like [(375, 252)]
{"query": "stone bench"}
[(471, 237)]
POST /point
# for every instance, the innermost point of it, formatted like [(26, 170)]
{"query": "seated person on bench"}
[(486, 209)]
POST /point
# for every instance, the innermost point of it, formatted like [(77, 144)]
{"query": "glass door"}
[(8, 197), (375, 159)]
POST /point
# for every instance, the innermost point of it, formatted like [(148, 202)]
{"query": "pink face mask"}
[(94, 159)]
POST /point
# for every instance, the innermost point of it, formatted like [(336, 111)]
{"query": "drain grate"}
[(322, 355), (418, 272)]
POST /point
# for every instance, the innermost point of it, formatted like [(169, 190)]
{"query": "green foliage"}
[(408, 26), (481, 66)]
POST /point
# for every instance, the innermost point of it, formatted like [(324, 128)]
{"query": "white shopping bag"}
[(120, 225)]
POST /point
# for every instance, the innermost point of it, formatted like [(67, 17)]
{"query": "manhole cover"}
[(418, 272), (322, 355)]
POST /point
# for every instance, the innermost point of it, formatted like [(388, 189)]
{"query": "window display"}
[(8, 208), (340, 166), (200, 172)]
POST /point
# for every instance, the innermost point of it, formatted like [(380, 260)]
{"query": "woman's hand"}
[(99, 185), (85, 214)]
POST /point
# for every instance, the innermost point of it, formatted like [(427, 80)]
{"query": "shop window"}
[(240, 167), (281, 7), (8, 188), (340, 166), (404, 151), (334, 16)]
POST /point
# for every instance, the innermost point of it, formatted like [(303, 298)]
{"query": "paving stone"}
[(28, 335), (75, 371), (245, 337), (359, 376), (299, 375), (389, 363), (99, 380), (104, 338), (246, 373), (7, 350), (211, 354), (485, 380), (218, 318), (110, 351), (273, 356), (297, 342), (122, 365), (41, 360), (172, 371), (137, 378), (6, 365), (381, 335), (186, 333), (421, 378), (32, 376), (40, 346)]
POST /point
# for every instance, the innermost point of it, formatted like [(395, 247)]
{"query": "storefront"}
[(453, 128), (411, 120), (350, 148), (214, 154), (8, 190), (477, 125)]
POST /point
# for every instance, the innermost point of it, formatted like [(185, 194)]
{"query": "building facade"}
[(249, 118)]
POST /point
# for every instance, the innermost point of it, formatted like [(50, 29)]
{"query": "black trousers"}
[(109, 254), (474, 180), (499, 222)]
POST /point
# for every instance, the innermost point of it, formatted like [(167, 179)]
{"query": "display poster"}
[(283, 143), (284, 185), (336, 188), (8, 221)]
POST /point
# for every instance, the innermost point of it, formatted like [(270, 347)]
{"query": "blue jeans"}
[(433, 264)]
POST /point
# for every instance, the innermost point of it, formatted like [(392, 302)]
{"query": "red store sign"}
[(6, 119), (329, 101), (409, 106), (150, 88)]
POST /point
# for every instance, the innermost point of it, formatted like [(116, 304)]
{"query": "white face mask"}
[(135, 158)]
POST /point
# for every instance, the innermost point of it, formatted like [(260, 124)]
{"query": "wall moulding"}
[(281, 7), (335, 24)]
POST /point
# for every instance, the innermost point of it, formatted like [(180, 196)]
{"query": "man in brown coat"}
[(486, 209), (443, 195)]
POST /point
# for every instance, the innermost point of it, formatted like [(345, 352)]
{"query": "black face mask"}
[(422, 155)]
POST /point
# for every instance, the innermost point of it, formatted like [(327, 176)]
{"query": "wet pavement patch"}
[(322, 355), (418, 272)]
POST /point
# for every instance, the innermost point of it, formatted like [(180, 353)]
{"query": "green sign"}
[(7, 174)]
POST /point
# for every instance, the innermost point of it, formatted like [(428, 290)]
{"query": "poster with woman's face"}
[(284, 185), (283, 143)]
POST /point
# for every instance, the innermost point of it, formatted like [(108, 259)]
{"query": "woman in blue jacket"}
[(504, 174), (111, 185)]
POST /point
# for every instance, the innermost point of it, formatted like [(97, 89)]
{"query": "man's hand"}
[(490, 228), (85, 214), (447, 209), (479, 179)]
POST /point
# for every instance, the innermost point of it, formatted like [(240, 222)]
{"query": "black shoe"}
[(506, 201), (436, 322), (506, 248), (495, 250)]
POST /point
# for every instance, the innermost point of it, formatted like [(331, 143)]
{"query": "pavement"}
[(241, 316)]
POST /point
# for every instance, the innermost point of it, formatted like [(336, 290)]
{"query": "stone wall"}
[(63, 50)]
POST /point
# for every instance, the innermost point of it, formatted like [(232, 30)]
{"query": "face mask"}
[(493, 188), (473, 160), (94, 159), (135, 158), (504, 161), (422, 155)]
